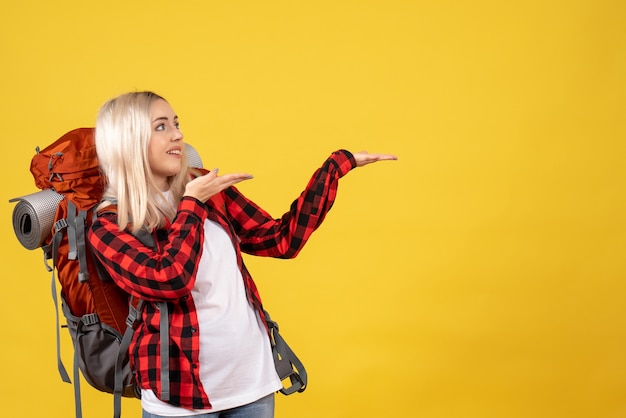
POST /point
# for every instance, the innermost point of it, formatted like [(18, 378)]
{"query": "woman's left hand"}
[(363, 158)]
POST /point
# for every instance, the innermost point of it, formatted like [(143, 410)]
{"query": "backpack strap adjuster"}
[(134, 313), (90, 319), (60, 224)]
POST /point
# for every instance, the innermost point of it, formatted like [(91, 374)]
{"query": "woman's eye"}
[(177, 125), (159, 127)]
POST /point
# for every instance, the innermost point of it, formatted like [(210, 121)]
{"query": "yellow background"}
[(481, 275)]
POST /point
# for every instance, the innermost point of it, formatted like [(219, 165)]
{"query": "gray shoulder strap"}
[(134, 316), (60, 227), (164, 327)]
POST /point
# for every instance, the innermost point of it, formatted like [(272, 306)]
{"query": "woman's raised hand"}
[(203, 187), (363, 158)]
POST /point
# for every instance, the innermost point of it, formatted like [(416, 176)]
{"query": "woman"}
[(220, 360)]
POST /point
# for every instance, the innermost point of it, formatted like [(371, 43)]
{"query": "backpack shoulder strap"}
[(143, 235), (52, 252), (287, 364), (134, 316)]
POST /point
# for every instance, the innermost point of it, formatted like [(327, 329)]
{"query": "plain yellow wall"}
[(481, 275)]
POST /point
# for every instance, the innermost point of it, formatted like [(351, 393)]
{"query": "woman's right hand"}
[(203, 187)]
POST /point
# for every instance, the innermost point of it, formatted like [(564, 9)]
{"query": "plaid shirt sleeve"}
[(167, 274), (262, 235)]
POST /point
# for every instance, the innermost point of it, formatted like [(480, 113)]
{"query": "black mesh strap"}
[(287, 364)]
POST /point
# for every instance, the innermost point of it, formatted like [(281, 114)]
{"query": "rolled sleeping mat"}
[(193, 158), (33, 217)]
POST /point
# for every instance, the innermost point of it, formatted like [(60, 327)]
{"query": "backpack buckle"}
[(60, 224), (90, 319), (133, 316)]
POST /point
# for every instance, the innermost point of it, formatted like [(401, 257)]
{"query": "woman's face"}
[(166, 143)]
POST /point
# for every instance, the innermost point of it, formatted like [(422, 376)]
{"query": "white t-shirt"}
[(236, 364)]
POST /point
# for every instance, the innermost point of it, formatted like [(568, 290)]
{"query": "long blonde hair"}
[(122, 135)]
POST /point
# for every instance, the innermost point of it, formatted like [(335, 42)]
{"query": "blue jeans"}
[(263, 408)]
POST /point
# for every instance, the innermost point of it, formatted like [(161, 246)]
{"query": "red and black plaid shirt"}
[(169, 273)]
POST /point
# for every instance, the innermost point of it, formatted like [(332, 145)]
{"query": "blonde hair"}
[(123, 132)]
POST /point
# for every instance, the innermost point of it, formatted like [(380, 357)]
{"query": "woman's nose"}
[(178, 135)]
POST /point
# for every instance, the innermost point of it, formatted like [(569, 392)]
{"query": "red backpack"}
[(96, 310)]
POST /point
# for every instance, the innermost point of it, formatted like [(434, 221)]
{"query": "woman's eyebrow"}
[(164, 118)]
